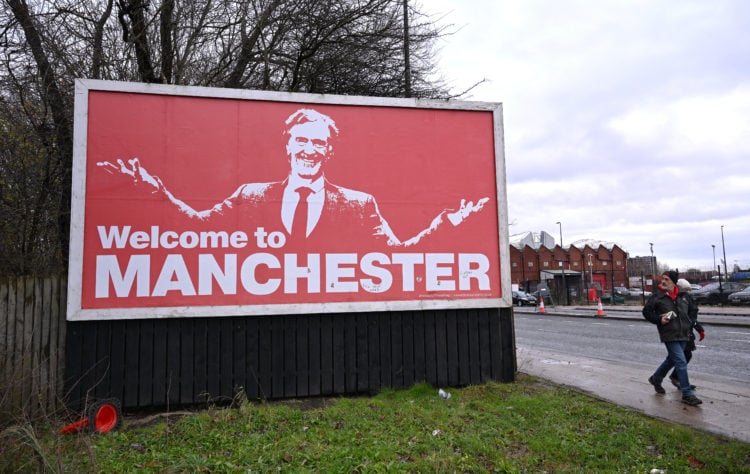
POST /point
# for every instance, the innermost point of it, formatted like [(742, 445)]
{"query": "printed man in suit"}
[(312, 209)]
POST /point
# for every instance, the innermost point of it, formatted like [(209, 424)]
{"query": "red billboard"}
[(205, 202)]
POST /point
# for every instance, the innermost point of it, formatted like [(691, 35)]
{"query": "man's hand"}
[(134, 170), (666, 318), (466, 208)]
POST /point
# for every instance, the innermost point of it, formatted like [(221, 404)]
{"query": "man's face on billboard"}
[(308, 149)]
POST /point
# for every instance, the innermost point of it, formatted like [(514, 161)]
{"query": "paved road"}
[(726, 404)]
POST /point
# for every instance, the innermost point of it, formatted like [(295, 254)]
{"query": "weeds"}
[(525, 426)]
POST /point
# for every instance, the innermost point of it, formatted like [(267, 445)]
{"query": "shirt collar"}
[(316, 186)]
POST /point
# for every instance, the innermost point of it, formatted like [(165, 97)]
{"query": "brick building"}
[(537, 262)]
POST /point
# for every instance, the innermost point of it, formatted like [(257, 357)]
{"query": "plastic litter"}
[(443, 394)]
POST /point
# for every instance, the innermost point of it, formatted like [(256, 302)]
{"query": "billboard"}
[(192, 201)]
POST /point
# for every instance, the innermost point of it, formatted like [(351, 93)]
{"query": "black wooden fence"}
[(168, 362), (163, 362)]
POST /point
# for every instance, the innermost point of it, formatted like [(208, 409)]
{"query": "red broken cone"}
[(104, 416)]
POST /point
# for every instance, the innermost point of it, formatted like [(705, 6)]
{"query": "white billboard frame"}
[(75, 312)]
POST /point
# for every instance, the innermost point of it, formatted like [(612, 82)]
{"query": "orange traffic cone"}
[(541, 305), (103, 417), (599, 309)]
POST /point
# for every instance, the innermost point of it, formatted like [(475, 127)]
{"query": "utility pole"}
[(724, 249), (562, 267)]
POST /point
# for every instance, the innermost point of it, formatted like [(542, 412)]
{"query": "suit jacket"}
[(348, 220)]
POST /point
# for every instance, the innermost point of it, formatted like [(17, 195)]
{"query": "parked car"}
[(638, 292), (740, 297), (521, 298), (714, 294), (622, 291)]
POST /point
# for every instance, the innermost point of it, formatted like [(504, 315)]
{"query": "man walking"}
[(674, 326)]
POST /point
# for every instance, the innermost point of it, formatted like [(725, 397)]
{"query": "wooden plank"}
[(49, 324), (5, 351), (474, 358), (343, 330), (27, 322), (420, 368), (441, 348), (37, 303), (327, 354), (174, 361), (160, 356), (73, 360), (146, 362), (213, 358), (314, 355), (226, 358), (277, 357), (61, 337), (15, 340), (203, 362), (508, 365), (407, 350), (358, 362), (374, 367), (485, 348), (396, 352), (132, 374), (451, 329), (289, 367), (302, 353), (188, 360), (252, 354), (265, 359), (101, 364), (239, 354), (462, 334), (385, 324), (430, 348), (117, 350), (15, 330)]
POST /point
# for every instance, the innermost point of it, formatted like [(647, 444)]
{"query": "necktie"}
[(299, 222)]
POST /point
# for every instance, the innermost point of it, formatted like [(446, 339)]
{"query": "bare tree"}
[(321, 46)]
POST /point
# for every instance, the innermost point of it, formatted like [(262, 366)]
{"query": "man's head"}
[(669, 279), (309, 142), (684, 285)]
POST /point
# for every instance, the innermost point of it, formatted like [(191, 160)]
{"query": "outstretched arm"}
[(140, 176), (455, 217)]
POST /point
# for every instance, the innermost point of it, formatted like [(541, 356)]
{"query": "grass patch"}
[(527, 426)]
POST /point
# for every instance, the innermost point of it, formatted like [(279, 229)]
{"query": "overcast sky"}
[(627, 121)]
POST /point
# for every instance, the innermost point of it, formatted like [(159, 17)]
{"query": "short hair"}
[(310, 115)]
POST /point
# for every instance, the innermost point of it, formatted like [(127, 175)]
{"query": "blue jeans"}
[(675, 358)]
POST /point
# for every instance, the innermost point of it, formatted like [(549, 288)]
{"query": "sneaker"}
[(676, 383), (691, 400), (657, 386)]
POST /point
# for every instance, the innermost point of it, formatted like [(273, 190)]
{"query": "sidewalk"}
[(726, 407)]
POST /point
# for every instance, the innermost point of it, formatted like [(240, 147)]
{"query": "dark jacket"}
[(679, 328)]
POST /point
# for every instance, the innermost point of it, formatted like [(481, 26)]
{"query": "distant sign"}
[(214, 202)]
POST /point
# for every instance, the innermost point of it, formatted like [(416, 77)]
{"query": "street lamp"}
[(562, 266), (591, 270), (713, 247), (653, 272), (726, 274)]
